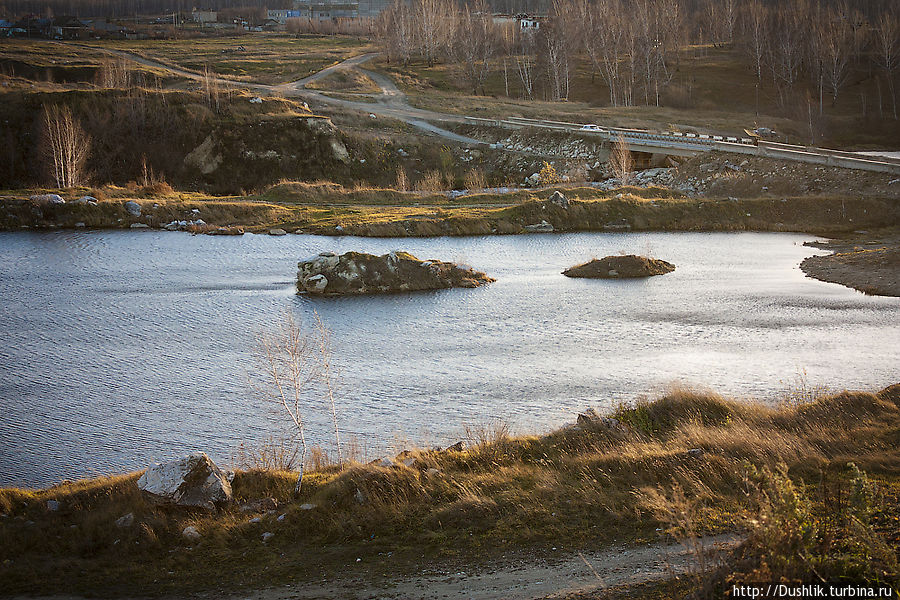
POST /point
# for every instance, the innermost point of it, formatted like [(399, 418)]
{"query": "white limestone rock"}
[(193, 480)]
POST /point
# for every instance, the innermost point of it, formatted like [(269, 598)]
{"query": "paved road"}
[(392, 103)]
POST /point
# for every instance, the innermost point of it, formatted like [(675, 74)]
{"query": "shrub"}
[(790, 540), (548, 174), (475, 180), (432, 181)]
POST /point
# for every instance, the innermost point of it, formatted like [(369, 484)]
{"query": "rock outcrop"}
[(618, 267), (357, 273), (193, 480)]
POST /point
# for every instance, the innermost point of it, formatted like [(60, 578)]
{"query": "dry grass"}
[(321, 207), (572, 488)]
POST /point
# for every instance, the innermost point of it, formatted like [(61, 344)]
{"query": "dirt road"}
[(579, 574), (390, 103)]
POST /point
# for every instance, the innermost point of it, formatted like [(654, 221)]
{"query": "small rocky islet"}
[(626, 266), (355, 273)]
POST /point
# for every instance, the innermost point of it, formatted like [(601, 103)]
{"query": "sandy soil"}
[(872, 266)]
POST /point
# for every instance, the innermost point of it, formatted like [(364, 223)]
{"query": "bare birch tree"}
[(887, 44), (435, 23), (394, 29), (835, 39), (525, 62), (474, 44), (620, 160), (297, 366), (756, 25), (66, 146)]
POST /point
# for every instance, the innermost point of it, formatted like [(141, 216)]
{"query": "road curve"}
[(391, 103)]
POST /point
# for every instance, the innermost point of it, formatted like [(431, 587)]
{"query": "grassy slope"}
[(574, 488)]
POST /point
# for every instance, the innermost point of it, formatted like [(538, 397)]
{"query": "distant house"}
[(529, 23), (31, 26), (204, 16), (103, 28), (281, 16), (327, 10), (67, 28)]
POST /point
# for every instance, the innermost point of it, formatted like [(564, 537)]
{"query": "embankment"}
[(386, 213)]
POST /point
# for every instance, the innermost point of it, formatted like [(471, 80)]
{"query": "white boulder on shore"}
[(193, 480)]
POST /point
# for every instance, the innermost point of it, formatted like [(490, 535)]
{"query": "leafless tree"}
[(474, 44), (610, 34), (620, 160), (435, 22), (756, 26), (588, 23), (66, 145), (555, 46), (786, 49), (394, 29), (835, 41), (728, 17), (296, 364), (887, 44), (525, 61)]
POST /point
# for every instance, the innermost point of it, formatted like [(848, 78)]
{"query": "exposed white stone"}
[(316, 283), (191, 533), (48, 199), (193, 480)]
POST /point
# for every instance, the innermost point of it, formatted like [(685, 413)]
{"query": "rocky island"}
[(355, 273), (620, 267)]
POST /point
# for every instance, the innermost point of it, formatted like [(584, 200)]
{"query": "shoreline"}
[(866, 245), (869, 264), (404, 524), (522, 211)]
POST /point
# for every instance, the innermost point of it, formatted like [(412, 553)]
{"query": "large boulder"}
[(133, 208), (559, 200), (615, 267), (193, 480), (48, 199), (358, 273)]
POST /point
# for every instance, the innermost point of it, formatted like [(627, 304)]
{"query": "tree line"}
[(636, 46)]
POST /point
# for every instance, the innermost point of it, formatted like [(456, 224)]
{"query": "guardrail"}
[(696, 143)]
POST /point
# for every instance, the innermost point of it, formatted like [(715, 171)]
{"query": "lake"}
[(122, 348)]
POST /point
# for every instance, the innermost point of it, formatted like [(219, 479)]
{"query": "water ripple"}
[(123, 349)]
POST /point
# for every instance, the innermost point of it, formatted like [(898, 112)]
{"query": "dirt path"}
[(579, 574), (390, 103)]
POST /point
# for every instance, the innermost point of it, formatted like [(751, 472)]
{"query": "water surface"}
[(123, 348)]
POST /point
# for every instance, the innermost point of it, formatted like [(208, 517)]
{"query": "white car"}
[(590, 127)]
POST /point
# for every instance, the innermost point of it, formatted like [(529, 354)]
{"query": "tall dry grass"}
[(573, 488)]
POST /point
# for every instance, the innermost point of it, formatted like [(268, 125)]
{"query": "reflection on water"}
[(122, 348)]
